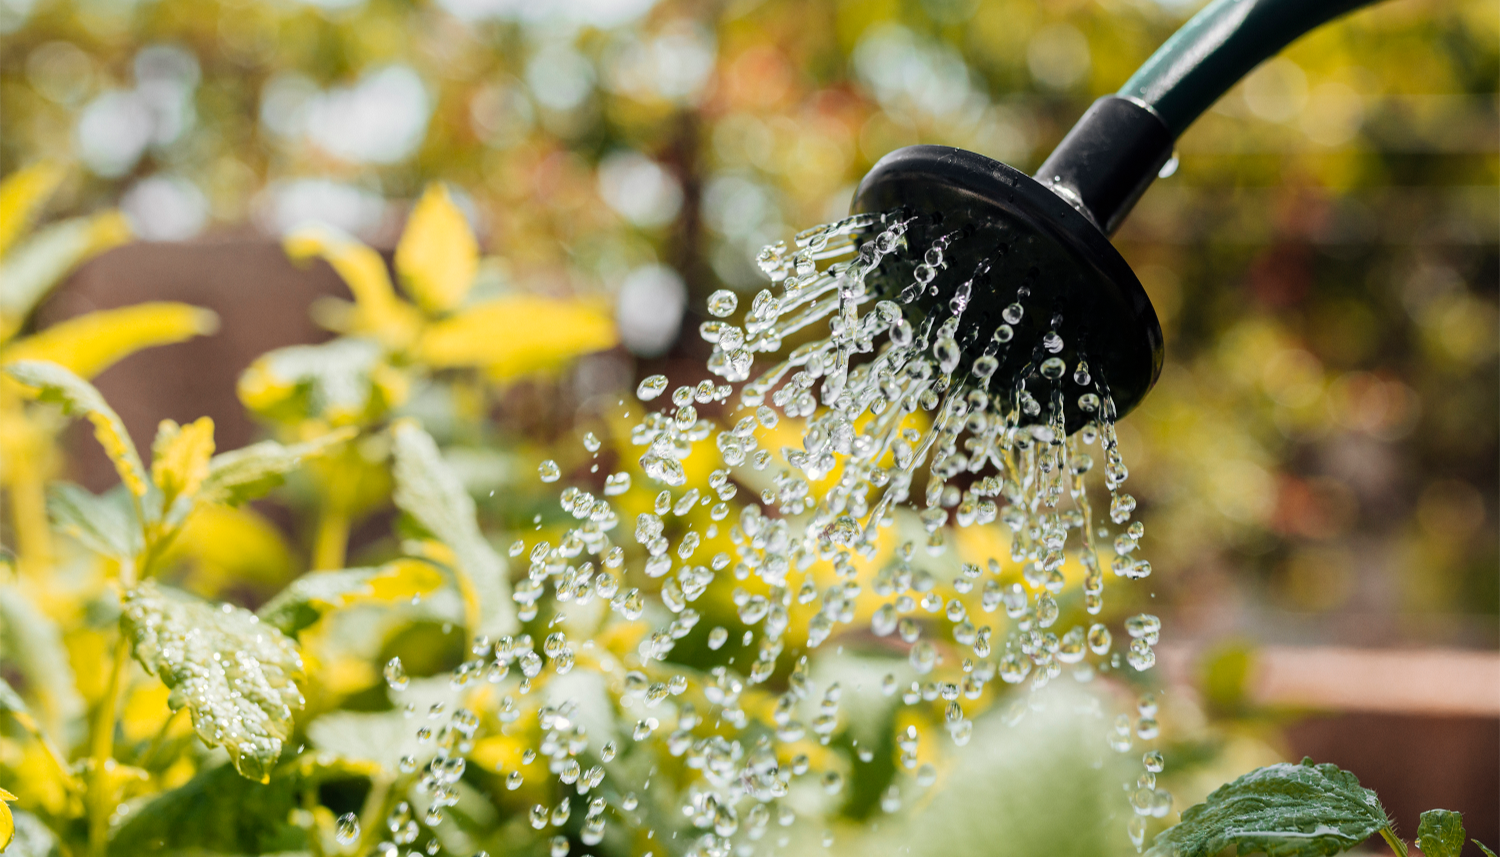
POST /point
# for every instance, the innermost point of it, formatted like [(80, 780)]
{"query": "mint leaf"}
[(1487, 852), (1440, 833), (1283, 810), (235, 673)]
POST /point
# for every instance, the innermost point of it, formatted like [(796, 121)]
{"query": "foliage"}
[(1318, 263), (1285, 810), (236, 675), (1302, 810)]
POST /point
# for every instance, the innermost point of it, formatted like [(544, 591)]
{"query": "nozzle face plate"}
[(1039, 252)]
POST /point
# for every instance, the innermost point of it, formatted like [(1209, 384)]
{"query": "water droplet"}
[(395, 675), (651, 387), (348, 829), (722, 303), (549, 471)]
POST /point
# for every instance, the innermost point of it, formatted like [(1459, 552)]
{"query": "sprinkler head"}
[(1018, 241)]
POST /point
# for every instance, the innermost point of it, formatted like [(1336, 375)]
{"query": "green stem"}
[(1391, 839), (102, 742), (332, 539)]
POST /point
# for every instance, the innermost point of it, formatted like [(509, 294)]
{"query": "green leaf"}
[(429, 491), (55, 384), (236, 674), (1283, 810), (383, 737), (216, 812), (246, 473), (1482, 847), (379, 738), (1440, 833), (307, 598), (105, 523)]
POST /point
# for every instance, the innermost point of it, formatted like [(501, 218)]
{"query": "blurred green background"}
[(1317, 467)]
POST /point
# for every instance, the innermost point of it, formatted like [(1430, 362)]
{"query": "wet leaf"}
[(89, 344), (105, 523), (1284, 810), (1440, 833), (236, 674), (307, 598), (428, 491), (246, 473), (1483, 847), (437, 256), (515, 335), (54, 383), (41, 261), (179, 457)]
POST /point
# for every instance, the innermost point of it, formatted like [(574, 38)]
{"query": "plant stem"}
[(332, 539), (101, 744), (1397, 845)]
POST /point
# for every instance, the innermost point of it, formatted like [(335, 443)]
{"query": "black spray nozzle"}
[(1042, 243)]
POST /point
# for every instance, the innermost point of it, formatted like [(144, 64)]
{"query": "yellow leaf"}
[(227, 546), (437, 255), (89, 344), (7, 822), (180, 457), (380, 313), (513, 336), (53, 383), (39, 263), (22, 195)]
